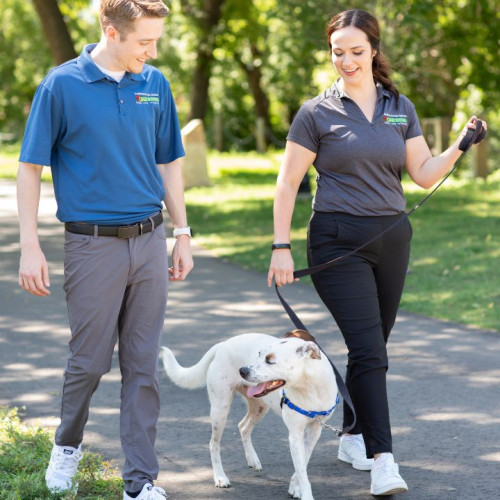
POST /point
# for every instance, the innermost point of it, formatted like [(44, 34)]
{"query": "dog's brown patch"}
[(300, 334)]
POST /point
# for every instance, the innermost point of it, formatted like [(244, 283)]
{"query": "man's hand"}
[(34, 272), (182, 260)]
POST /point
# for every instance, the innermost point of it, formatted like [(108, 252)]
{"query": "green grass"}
[(455, 247), (8, 160), (9, 154), (455, 254), (24, 455)]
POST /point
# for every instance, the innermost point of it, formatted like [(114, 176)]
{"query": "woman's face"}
[(352, 55)]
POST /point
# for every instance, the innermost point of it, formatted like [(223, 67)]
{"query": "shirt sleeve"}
[(168, 138), (413, 129), (43, 129), (303, 130)]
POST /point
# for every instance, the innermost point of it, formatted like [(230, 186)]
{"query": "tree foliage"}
[(439, 48), (25, 56), (231, 61), (23, 62)]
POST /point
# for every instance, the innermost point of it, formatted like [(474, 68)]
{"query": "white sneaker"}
[(62, 467), (353, 451), (148, 492), (385, 477)]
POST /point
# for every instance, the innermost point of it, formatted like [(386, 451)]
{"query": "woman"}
[(358, 134)]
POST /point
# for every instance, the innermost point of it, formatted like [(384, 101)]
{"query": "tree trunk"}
[(207, 21), (200, 84), (55, 30), (254, 77)]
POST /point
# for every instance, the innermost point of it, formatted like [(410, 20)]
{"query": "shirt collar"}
[(382, 91), (339, 93), (91, 73)]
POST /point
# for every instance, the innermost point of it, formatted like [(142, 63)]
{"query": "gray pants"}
[(116, 290)]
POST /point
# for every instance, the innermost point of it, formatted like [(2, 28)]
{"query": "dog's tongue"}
[(255, 389)]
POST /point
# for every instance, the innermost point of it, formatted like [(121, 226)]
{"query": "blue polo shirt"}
[(103, 140), (359, 162)]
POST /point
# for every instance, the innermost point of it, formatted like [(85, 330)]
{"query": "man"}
[(106, 123)]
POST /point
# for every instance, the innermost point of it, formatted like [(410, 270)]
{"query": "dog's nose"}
[(244, 371)]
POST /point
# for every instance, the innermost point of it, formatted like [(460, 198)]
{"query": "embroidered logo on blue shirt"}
[(141, 98)]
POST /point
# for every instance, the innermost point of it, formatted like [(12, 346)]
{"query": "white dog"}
[(256, 365)]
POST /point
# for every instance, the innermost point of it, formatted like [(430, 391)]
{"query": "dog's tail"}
[(193, 377)]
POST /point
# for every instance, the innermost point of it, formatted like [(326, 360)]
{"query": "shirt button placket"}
[(121, 103)]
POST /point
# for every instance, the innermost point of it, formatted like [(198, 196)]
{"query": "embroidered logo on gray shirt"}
[(395, 119)]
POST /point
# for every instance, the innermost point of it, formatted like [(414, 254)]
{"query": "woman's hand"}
[(471, 124), (281, 268)]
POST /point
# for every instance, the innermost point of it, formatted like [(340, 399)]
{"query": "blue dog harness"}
[(310, 414)]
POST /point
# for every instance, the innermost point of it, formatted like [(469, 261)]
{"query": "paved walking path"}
[(444, 383)]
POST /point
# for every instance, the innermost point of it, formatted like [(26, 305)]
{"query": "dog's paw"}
[(254, 462), (294, 488), (222, 481)]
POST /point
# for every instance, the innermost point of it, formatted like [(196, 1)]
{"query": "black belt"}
[(130, 231)]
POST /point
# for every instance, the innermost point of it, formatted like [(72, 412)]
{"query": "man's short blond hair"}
[(121, 14)]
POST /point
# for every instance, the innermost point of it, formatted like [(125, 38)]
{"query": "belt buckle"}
[(126, 232)]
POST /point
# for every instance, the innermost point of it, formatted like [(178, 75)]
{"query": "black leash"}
[(473, 136)]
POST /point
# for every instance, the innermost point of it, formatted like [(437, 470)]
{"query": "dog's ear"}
[(300, 334), (310, 350)]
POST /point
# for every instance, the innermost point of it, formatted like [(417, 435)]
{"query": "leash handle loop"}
[(472, 136)]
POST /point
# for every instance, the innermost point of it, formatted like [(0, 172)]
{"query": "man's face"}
[(129, 53)]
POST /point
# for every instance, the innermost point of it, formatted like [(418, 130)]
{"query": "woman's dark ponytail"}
[(381, 70)]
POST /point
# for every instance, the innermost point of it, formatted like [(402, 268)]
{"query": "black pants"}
[(363, 292)]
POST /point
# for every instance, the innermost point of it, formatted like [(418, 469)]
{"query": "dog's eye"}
[(270, 359)]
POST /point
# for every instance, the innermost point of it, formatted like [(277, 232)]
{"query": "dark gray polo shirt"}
[(359, 164)]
